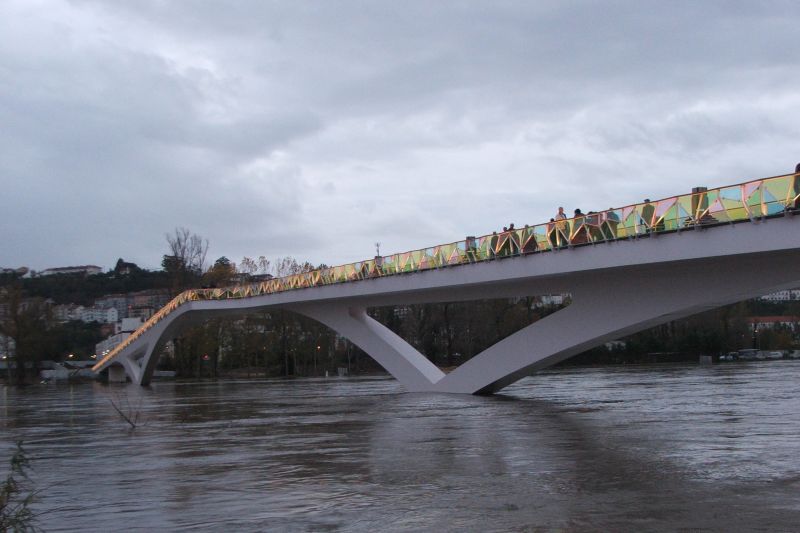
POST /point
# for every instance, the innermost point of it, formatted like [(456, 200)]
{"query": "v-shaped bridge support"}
[(399, 358), (605, 306)]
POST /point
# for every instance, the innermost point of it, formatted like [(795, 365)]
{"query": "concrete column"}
[(399, 358)]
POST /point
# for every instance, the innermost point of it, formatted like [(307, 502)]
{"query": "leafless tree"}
[(264, 265), (189, 249), (286, 266), (187, 257), (248, 266)]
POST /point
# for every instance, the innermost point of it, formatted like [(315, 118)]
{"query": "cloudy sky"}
[(314, 129)]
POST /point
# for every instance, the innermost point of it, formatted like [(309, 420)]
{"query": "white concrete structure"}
[(106, 345), (617, 288), (128, 325)]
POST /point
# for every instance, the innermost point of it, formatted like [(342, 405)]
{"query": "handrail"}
[(745, 201)]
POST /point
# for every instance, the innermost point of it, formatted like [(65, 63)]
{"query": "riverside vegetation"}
[(16, 495)]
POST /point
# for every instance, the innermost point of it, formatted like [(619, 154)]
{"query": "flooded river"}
[(646, 448)]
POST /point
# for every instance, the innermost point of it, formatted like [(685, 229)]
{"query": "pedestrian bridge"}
[(627, 269)]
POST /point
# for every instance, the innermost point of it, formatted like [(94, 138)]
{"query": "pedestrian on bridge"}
[(562, 227), (578, 229)]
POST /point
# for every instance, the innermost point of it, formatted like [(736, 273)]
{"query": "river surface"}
[(648, 448)]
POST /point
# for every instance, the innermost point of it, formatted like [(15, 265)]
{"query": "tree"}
[(264, 265), (187, 257), (15, 504), (25, 321), (248, 266), (223, 273)]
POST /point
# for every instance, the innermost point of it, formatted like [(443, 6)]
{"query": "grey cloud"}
[(314, 129)]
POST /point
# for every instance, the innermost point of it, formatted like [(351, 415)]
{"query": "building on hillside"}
[(548, 300), (140, 311), (117, 301), (86, 270), (155, 298), (135, 304), (100, 315), (21, 271), (772, 322), (67, 312), (787, 295), (123, 268)]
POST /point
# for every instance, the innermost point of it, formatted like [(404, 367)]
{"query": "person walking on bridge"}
[(562, 227), (578, 229)]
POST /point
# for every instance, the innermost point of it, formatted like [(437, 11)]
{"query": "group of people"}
[(513, 241), (583, 228)]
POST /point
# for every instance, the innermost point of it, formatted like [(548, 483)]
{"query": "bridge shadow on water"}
[(504, 462)]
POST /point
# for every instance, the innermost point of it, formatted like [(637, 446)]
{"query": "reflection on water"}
[(645, 448)]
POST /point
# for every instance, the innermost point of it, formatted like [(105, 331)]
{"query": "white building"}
[(67, 312), (771, 322), (98, 314), (782, 296), (117, 301), (86, 270), (548, 300)]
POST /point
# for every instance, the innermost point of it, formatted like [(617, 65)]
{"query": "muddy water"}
[(635, 448)]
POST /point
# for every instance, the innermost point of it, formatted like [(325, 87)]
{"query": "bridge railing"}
[(747, 201)]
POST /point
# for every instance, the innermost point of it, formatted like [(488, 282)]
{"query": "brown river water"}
[(646, 448)]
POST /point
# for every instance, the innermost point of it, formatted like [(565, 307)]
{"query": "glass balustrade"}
[(748, 201)]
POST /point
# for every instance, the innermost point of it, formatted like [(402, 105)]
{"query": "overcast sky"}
[(314, 129)]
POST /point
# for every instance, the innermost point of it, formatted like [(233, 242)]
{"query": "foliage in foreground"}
[(15, 505)]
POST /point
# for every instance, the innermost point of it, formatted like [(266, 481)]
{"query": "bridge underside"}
[(606, 304)]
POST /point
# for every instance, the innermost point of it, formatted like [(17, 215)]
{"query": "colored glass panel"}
[(736, 203)]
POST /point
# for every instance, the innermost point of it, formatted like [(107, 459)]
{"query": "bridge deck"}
[(744, 202)]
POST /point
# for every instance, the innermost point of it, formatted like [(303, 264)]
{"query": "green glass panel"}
[(540, 234), (777, 189)]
